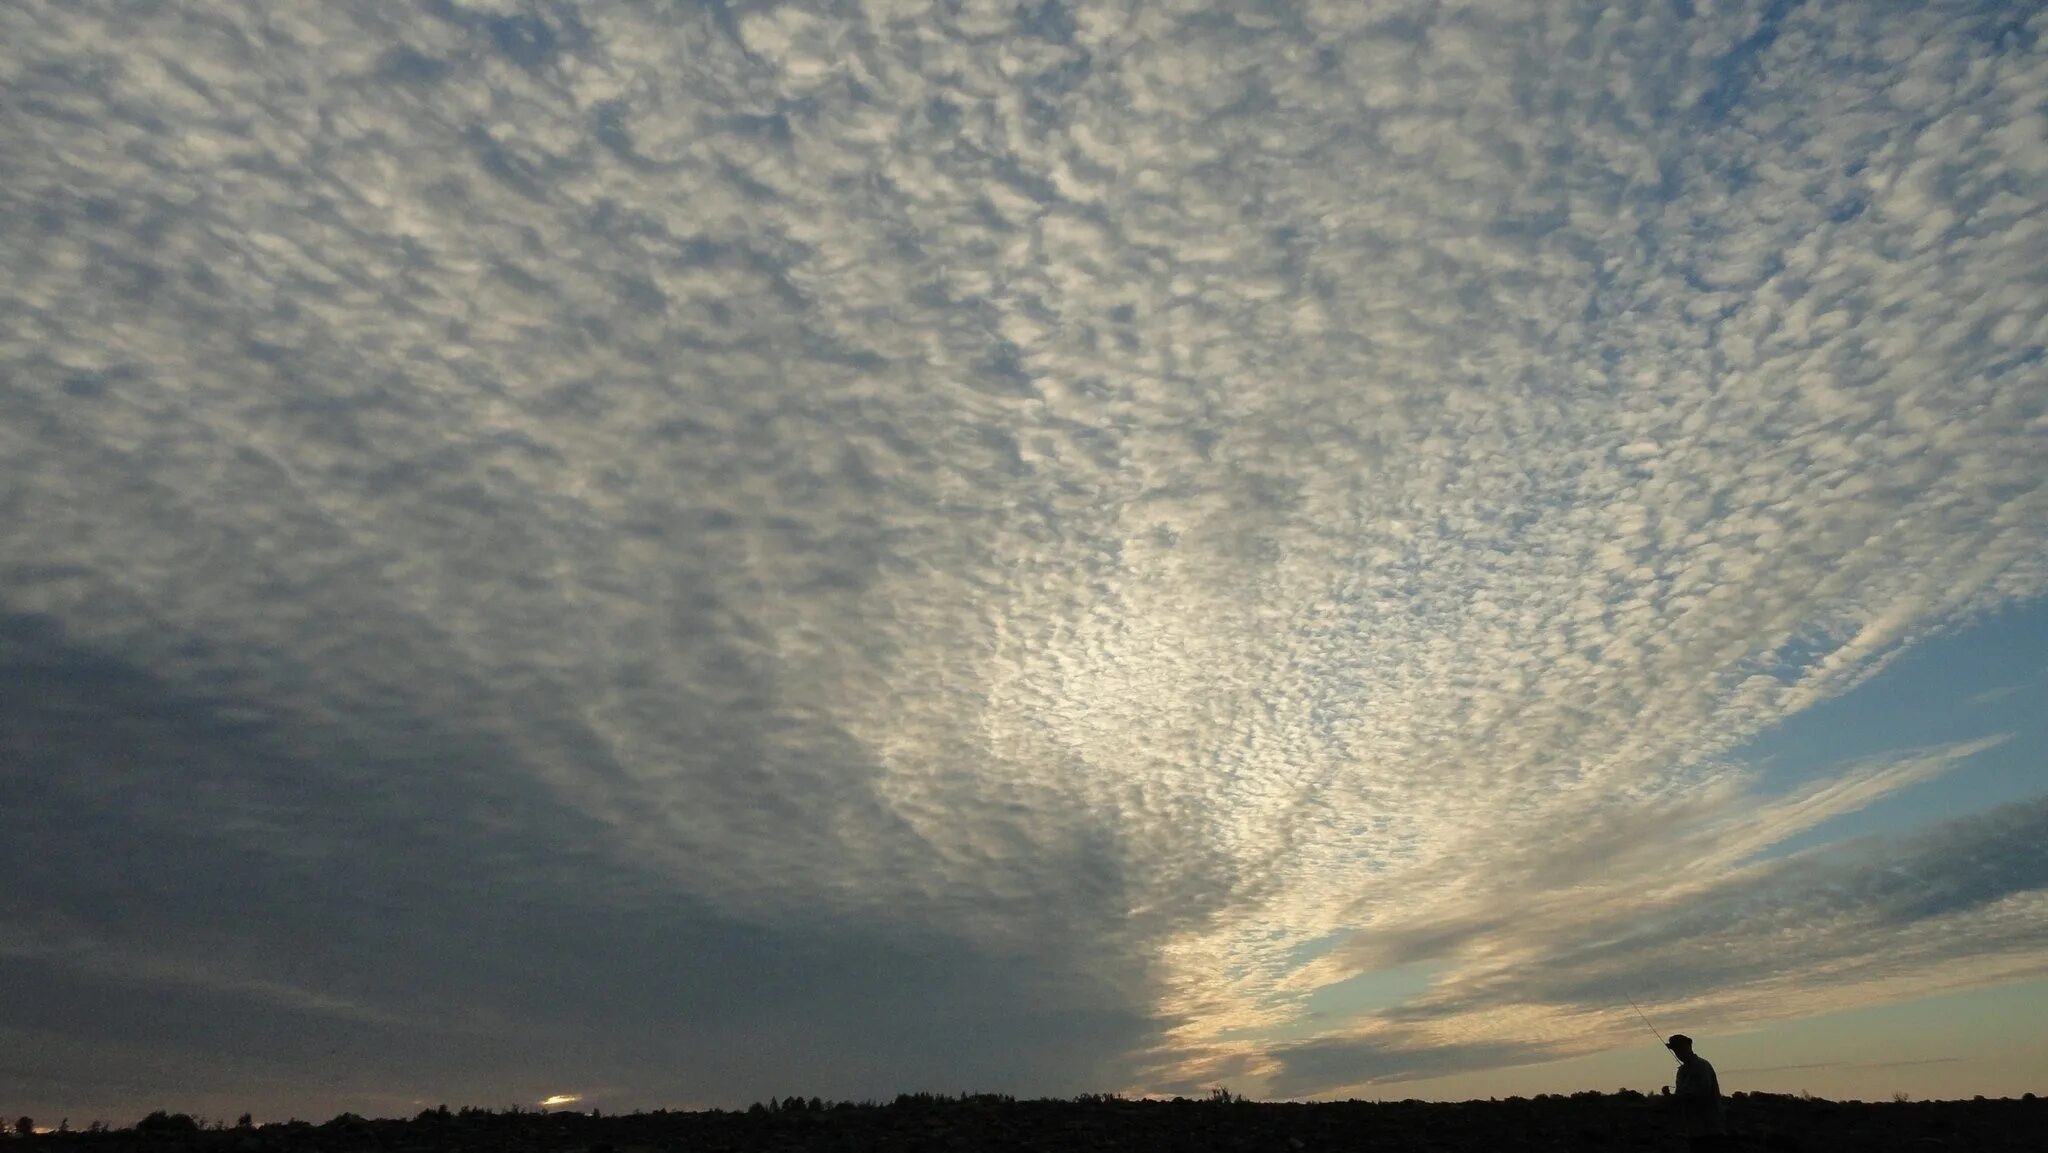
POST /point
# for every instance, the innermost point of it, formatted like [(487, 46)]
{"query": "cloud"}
[(1849, 1065), (224, 897), (1952, 907), (1002, 526)]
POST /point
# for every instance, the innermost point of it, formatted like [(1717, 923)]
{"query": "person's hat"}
[(1678, 1039)]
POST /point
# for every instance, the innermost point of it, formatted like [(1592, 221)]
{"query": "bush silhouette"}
[(161, 1122)]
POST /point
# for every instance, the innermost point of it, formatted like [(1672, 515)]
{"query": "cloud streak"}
[(1074, 524), (1957, 906)]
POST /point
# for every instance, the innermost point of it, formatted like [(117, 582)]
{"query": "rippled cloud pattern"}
[(714, 549)]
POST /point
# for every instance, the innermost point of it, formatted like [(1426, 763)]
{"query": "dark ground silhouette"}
[(924, 1123)]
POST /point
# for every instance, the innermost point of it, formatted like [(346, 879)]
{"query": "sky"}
[(661, 554)]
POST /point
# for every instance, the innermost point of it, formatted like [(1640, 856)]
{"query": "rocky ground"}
[(1583, 1121)]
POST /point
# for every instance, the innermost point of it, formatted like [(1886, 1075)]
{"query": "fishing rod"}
[(1644, 1019)]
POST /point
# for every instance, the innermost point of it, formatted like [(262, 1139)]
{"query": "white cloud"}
[(1168, 486)]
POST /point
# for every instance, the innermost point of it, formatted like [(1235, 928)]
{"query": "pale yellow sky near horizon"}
[(1990, 1042)]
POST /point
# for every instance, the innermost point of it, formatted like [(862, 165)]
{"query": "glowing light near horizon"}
[(560, 1099)]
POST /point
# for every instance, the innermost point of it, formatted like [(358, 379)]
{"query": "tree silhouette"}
[(162, 1122), (24, 1127)]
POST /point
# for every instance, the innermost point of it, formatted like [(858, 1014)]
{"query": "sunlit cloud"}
[(843, 540)]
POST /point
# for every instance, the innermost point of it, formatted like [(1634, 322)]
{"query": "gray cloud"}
[(439, 920), (1938, 909), (992, 528)]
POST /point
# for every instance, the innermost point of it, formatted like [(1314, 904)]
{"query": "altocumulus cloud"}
[(737, 548)]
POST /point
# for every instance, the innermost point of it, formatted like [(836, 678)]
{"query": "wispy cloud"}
[(1848, 1065), (1991, 696), (1816, 932), (1012, 526)]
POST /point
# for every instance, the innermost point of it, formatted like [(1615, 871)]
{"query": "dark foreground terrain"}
[(938, 1125)]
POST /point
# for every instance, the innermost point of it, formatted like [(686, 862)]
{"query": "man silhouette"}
[(1699, 1096)]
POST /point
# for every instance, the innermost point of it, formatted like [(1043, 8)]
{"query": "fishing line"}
[(1645, 1020)]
